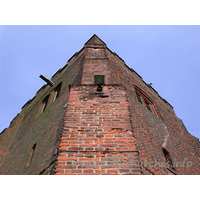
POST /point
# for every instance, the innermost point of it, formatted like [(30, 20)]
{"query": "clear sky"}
[(166, 56)]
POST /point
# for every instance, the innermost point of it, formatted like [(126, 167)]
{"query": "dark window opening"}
[(168, 158), (99, 79), (57, 91), (166, 153), (44, 106), (30, 157)]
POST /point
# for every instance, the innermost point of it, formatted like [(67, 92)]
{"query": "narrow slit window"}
[(30, 157), (168, 158), (57, 92), (44, 106)]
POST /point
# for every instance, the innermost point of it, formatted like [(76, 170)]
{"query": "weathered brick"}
[(59, 170), (88, 171), (115, 171), (117, 126), (76, 171)]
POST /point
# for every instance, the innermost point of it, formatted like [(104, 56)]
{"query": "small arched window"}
[(146, 101)]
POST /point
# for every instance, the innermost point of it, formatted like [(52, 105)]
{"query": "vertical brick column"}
[(97, 135)]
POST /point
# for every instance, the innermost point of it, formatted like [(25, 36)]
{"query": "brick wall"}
[(152, 130), (40, 129), (7, 136), (113, 134), (97, 135), (96, 62)]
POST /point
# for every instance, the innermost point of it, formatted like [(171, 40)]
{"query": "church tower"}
[(97, 116)]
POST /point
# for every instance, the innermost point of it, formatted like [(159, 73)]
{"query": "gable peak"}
[(95, 40)]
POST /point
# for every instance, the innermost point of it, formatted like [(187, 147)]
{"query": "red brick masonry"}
[(97, 135)]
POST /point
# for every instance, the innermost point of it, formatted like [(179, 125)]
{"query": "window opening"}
[(30, 157), (146, 101), (148, 106), (45, 101), (168, 158), (140, 99), (57, 92)]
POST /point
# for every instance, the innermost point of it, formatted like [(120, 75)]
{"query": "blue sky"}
[(167, 56)]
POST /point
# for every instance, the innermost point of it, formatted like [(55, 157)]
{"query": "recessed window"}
[(168, 158), (30, 157), (57, 91), (44, 104), (140, 99), (99, 79), (145, 100), (148, 106)]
